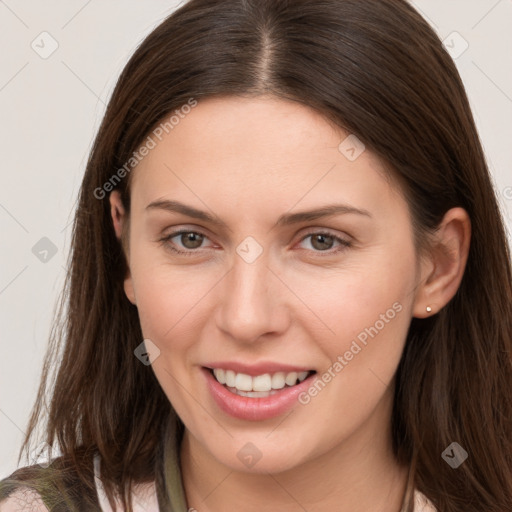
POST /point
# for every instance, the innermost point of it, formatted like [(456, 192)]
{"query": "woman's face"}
[(263, 291)]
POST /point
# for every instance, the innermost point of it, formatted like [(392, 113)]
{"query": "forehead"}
[(245, 150)]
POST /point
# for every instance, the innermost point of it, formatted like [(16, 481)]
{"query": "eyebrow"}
[(284, 220)]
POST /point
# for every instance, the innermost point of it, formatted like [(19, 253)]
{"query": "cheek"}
[(363, 311), (170, 302), (171, 299), (370, 318)]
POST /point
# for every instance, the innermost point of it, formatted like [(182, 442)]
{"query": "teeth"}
[(302, 375), (278, 380), (220, 375), (251, 386), (291, 378), (261, 383), (230, 378), (243, 382), (255, 394)]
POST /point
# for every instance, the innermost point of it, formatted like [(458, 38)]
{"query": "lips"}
[(256, 405)]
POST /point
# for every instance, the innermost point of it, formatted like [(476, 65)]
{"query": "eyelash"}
[(344, 244)]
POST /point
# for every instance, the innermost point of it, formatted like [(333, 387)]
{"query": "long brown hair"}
[(376, 69)]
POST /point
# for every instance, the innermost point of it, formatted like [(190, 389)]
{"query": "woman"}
[(290, 285)]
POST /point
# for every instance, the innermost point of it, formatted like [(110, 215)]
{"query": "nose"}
[(252, 302)]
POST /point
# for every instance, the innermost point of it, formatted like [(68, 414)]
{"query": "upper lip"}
[(257, 369)]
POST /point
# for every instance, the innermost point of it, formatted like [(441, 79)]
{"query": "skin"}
[(248, 161)]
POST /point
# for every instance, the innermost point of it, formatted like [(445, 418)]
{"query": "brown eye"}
[(191, 240), (325, 242), (185, 242), (322, 242)]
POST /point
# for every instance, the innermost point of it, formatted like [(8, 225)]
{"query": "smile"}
[(258, 386), (256, 397)]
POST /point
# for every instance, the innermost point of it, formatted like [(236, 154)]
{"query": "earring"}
[(429, 309)]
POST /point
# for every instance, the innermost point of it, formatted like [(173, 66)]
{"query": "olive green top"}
[(172, 472)]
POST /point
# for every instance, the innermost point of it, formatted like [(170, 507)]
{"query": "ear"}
[(120, 221), (443, 267)]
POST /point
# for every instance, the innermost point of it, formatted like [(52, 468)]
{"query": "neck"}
[(359, 474)]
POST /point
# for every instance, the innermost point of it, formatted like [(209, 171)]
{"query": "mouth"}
[(256, 397), (258, 386)]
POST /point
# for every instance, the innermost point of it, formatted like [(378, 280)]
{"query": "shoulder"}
[(18, 491), (58, 486), (23, 499)]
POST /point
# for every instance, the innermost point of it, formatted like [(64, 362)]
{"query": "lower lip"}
[(254, 409)]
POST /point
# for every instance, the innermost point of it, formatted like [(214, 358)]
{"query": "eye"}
[(322, 241), (189, 240)]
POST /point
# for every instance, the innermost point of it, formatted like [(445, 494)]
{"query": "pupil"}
[(323, 243)]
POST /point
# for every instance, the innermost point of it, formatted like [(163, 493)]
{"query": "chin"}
[(258, 457)]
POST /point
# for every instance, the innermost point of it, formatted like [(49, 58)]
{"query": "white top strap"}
[(143, 495)]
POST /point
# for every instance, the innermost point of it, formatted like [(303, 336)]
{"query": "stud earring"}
[(429, 309)]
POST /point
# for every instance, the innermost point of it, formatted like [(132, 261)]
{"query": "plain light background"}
[(50, 110)]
